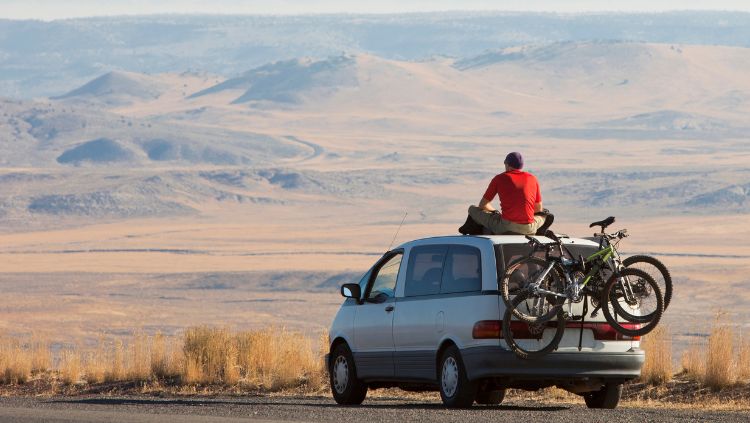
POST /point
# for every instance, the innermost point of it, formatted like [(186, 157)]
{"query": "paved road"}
[(267, 409)]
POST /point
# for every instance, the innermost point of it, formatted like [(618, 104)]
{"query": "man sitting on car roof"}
[(520, 199)]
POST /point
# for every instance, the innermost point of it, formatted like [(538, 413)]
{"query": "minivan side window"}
[(384, 285), (425, 270), (463, 270)]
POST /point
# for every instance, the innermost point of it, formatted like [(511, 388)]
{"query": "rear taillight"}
[(605, 331), (486, 329), (491, 329)]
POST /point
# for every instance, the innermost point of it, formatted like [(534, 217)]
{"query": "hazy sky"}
[(59, 9)]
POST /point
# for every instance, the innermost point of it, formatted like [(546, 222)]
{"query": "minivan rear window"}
[(508, 253), (425, 270), (463, 270)]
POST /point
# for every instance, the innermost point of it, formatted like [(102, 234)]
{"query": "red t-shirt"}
[(518, 192)]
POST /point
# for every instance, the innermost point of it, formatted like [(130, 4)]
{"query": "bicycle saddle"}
[(603, 223)]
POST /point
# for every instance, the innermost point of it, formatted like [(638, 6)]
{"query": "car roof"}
[(494, 239)]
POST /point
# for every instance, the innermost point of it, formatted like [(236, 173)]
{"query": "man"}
[(520, 198)]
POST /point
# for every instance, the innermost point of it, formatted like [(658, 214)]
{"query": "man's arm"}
[(486, 204), (538, 207)]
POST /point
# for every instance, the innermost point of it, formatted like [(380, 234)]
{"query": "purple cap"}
[(514, 160)]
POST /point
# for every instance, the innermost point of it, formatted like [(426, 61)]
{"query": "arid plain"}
[(158, 202)]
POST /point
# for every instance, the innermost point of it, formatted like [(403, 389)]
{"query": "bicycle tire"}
[(647, 264), (610, 301), (553, 282), (643, 291), (524, 351)]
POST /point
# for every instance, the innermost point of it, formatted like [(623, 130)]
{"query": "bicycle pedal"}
[(575, 318), (594, 313)]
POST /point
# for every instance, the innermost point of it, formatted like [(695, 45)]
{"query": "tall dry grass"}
[(41, 356), (270, 359), (694, 362), (720, 358), (743, 361), (16, 362), (658, 366), (722, 361), (71, 368)]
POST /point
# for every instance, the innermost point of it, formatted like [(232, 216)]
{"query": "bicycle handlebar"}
[(622, 233)]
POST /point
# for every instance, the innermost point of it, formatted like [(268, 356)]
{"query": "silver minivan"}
[(427, 316)]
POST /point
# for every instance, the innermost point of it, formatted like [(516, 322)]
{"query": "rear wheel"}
[(345, 387), (607, 397), (634, 297), (493, 397), (525, 271), (456, 390), (656, 270), (531, 340)]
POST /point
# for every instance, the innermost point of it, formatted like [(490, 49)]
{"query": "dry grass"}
[(275, 359), (16, 362), (719, 359), (722, 362), (271, 359), (743, 361), (70, 369), (41, 356), (694, 362), (658, 366)]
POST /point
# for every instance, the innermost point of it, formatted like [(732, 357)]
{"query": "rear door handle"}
[(390, 308)]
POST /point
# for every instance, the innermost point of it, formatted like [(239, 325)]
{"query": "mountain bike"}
[(628, 293)]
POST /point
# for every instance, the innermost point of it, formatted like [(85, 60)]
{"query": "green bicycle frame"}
[(604, 254)]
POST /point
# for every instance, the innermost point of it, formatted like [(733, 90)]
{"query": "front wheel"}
[(656, 270), (345, 387), (456, 390), (635, 297)]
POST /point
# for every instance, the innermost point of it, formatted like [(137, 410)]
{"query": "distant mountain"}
[(48, 58), (287, 81), (102, 150), (117, 88)]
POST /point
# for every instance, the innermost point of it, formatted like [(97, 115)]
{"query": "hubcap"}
[(449, 378), (340, 374)]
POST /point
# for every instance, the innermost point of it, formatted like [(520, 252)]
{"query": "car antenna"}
[(397, 230)]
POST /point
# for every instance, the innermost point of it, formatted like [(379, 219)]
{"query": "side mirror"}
[(351, 290)]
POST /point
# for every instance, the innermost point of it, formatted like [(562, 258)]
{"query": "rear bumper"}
[(485, 362)]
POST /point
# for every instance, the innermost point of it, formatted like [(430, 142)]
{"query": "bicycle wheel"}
[(520, 274), (634, 296), (531, 340), (656, 270)]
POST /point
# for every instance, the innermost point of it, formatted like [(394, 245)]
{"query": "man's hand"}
[(538, 207)]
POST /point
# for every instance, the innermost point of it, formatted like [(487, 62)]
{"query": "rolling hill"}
[(352, 128)]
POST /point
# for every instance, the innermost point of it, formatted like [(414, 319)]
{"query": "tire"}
[(456, 390), (656, 270), (607, 397), (493, 397), (345, 387), (529, 350), (519, 274), (650, 294)]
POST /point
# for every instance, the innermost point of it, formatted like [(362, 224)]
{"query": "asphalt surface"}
[(266, 409)]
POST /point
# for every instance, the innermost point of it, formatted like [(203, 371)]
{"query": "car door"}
[(373, 320), (419, 319)]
